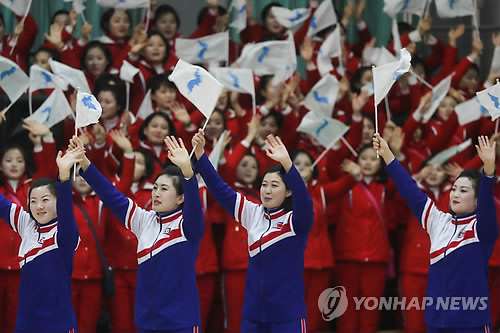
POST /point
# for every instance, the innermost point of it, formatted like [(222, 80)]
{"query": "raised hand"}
[(453, 170), (382, 147), (351, 168), (36, 128), (359, 101), (181, 114), (276, 150), (178, 154), (76, 144), (64, 163), (55, 35), (425, 25), (487, 154), (495, 39), (307, 50), (85, 31), (2, 117), (121, 141), (198, 142), (253, 127), (455, 33)]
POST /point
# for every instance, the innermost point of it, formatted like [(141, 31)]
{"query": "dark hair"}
[(113, 84), (270, 37), (381, 176), (163, 10), (95, 44), (148, 160), (106, 17), (264, 80), (57, 13), (174, 173), (417, 61), (157, 81), (267, 9), (278, 117), (50, 183), (171, 127), (356, 79), (203, 12), (52, 53), (2, 21), (222, 114), (475, 67), (474, 176), (258, 164), (165, 41), (10, 146), (288, 202), (299, 151)]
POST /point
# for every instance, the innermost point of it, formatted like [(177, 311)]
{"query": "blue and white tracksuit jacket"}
[(274, 290), (461, 247), (166, 294), (46, 259)]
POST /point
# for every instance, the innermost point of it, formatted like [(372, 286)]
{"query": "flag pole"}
[(30, 102), (254, 107), (192, 151), (421, 79), (4, 111), (387, 110), (348, 145), (496, 123), (127, 85), (376, 113), (323, 154)]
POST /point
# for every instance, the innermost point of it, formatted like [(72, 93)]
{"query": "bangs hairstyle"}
[(474, 176), (174, 173), (264, 81), (57, 13), (267, 10), (51, 52), (287, 204), (157, 81), (356, 79), (165, 41), (51, 185), (297, 152), (257, 179), (113, 84), (149, 161), (164, 10), (95, 44), (221, 11), (10, 146), (106, 18), (381, 176), (171, 127)]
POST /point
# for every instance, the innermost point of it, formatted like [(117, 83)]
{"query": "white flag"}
[(439, 92), (489, 98), (240, 17), (324, 17), (267, 57), (368, 88), (288, 65), (210, 48), (324, 129), (331, 48), (146, 107), (235, 79), (74, 77), (12, 79), (445, 155), (469, 111), (124, 4), (386, 75), (19, 7), (378, 56), (88, 109), (127, 72), (454, 8), (43, 79), (290, 17), (78, 5), (53, 110), (217, 151), (197, 85), (393, 7), (322, 97)]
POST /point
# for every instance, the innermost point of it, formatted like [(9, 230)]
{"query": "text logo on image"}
[(332, 303)]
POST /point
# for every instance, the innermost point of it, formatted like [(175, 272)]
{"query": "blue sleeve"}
[(67, 229), (109, 195), (193, 224), (408, 189), (303, 214), (487, 227), (5, 208), (222, 192)]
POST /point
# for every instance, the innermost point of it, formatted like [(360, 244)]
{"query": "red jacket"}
[(24, 43), (207, 261)]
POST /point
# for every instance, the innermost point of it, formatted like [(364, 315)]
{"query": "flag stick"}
[(475, 19), (148, 18), (74, 165), (4, 111), (83, 18), (30, 102), (323, 154), (421, 79), (348, 145), (496, 126), (192, 151), (254, 107), (127, 84), (376, 113)]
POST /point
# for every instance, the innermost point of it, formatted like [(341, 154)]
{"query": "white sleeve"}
[(245, 211), (20, 220), (431, 218), (136, 218)]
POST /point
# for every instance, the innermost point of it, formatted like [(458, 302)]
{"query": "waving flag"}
[(331, 48), (12, 79), (490, 99), (469, 111), (235, 79), (17, 6), (74, 77), (146, 107), (324, 129), (384, 76), (127, 72), (124, 4), (445, 155), (378, 56), (53, 110), (88, 109), (439, 92), (267, 57), (454, 8), (290, 17), (324, 17), (197, 85), (78, 5), (239, 21), (322, 97), (210, 48), (43, 79), (394, 7)]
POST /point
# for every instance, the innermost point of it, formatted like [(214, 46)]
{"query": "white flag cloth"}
[(324, 129), (469, 111), (146, 107), (240, 16), (12, 79), (267, 57), (288, 66), (454, 8), (324, 17), (197, 85), (210, 48), (322, 97), (127, 72), (43, 79), (217, 152), (439, 92), (445, 155), (368, 88), (385, 76), (88, 109), (78, 5), (489, 98), (124, 4), (19, 7), (393, 7), (74, 77), (331, 48), (290, 17), (53, 110), (235, 79), (377, 56)]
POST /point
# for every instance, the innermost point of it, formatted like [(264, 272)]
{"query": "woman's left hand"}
[(277, 151)]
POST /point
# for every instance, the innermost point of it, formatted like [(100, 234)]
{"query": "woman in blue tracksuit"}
[(462, 242), (49, 238), (277, 236), (168, 240)]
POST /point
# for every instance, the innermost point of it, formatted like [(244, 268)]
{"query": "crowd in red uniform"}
[(363, 233)]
